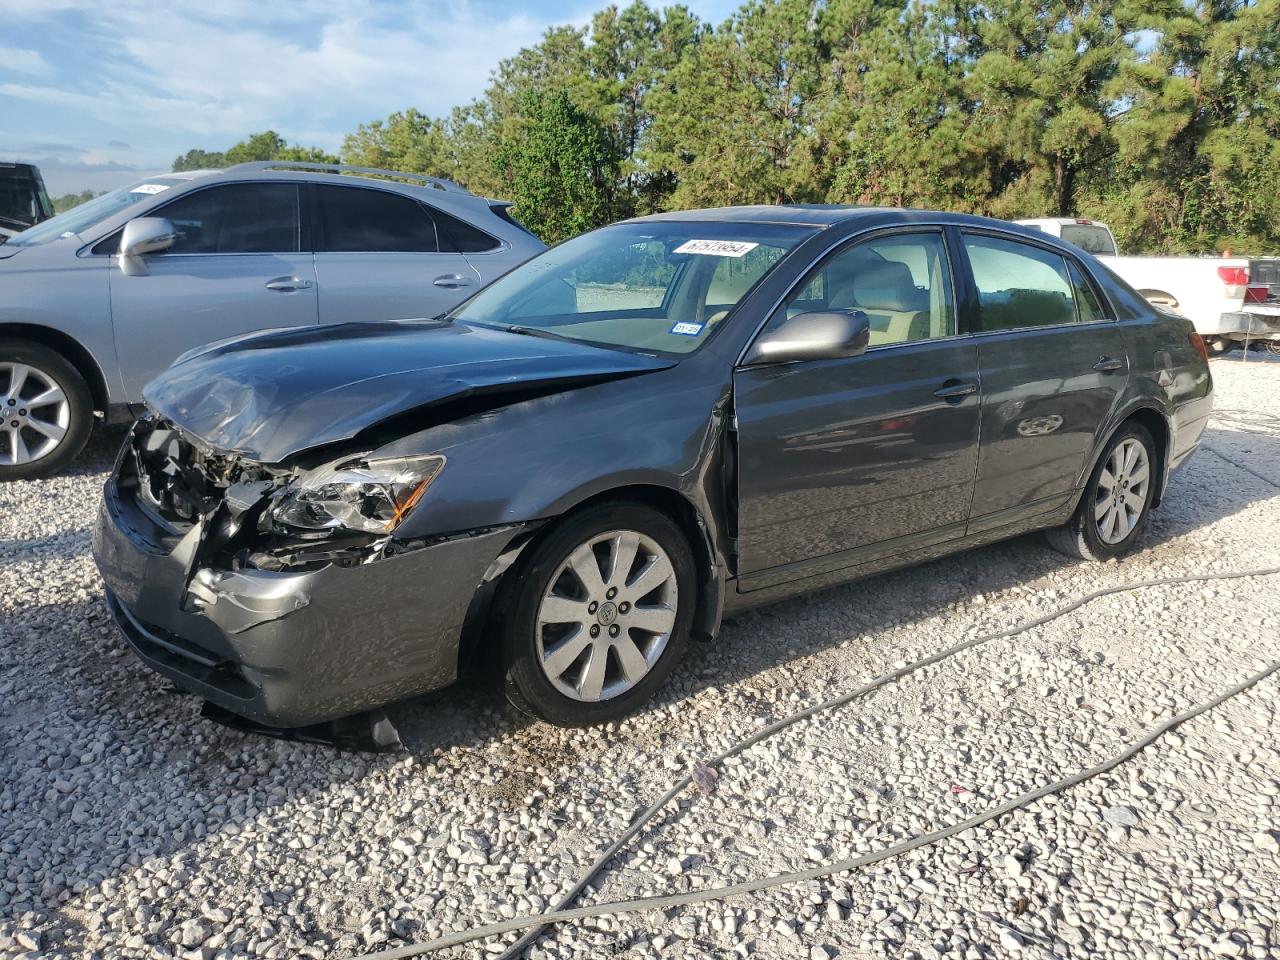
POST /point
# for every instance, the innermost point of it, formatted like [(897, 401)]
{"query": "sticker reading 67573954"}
[(717, 248)]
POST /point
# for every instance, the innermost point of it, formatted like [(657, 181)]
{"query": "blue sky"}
[(99, 93)]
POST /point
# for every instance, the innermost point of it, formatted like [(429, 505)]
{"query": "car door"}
[(379, 257), (1052, 365), (845, 460), (235, 268)]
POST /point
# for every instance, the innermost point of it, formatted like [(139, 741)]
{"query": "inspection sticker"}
[(150, 188), (687, 329), (717, 248)]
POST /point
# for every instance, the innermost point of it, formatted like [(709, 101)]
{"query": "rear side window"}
[(360, 220), (1019, 285), (1089, 238), (458, 236), (236, 218)]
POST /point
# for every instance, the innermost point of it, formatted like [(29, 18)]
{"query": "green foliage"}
[(68, 200), (559, 168), (267, 145), (1160, 116)]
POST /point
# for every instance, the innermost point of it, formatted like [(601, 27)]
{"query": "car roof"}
[(824, 215)]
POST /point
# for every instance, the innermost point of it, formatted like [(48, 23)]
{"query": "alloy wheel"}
[(1123, 488), (36, 411), (607, 615)]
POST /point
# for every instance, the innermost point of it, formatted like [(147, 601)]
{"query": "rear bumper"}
[(1261, 323), (290, 649)]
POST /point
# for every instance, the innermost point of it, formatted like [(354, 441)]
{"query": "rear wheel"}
[(1117, 502), (597, 615), (46, 407)]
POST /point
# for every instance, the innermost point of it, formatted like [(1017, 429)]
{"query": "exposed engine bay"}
[(180, 483)]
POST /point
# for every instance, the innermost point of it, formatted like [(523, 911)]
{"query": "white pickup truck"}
[(1229, 299)]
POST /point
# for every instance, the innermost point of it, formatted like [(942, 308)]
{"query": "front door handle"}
[(452, 281), (953, 391), (1108, 365), (288, 284)]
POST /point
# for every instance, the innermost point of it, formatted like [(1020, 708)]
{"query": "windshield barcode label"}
[(716, 248)]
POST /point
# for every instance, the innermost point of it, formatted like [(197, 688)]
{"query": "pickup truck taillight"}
[(1234, 276)]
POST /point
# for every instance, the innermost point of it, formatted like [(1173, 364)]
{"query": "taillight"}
[(1234, 276), (1256, 294), (1197, 341)]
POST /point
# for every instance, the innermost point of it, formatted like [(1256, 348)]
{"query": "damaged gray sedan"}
[(614, 446)]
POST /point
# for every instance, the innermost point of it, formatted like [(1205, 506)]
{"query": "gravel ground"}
[(130, 827)]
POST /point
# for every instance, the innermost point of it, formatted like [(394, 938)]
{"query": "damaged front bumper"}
[(290, 648)]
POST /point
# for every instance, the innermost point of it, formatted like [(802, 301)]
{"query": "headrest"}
[(887, 285)]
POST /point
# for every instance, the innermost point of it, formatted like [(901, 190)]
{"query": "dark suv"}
[(23, 199)]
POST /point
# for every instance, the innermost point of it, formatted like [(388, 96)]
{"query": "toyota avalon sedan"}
[(613, 447)]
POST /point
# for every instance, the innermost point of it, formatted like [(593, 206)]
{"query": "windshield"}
[(78, 219), (1091, 239), (659, 286)]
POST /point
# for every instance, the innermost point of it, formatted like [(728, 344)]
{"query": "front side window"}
[(662, 286), (901, 282), (361, 220), (1019, 285), (235, 218)]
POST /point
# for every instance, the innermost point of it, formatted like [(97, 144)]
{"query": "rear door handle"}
[(1108, 365), (452, 281), (953, 391), (288, 284)]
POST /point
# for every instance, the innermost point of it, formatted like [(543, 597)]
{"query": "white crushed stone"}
[(131, 828)]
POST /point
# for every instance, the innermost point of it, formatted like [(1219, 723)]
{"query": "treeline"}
[(1161, 117)]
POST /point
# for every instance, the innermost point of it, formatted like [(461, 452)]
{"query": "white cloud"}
[(18, 60), (218, 72)]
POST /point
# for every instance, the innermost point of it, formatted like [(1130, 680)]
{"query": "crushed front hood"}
[(268, 397)]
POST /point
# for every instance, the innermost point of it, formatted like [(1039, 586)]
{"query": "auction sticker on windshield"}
[(717, 248), (150, 188)]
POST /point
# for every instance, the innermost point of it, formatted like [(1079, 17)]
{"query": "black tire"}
[(528, 686), (1080, 537), (54, 366)]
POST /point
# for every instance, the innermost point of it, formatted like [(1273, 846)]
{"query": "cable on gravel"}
[(537, 924)]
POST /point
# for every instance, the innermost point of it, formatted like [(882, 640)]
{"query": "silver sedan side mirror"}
[(141, 236), (820, 335)]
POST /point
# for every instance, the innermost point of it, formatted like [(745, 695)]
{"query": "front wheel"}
[(47, 410), (597, 615), (1116, 503)]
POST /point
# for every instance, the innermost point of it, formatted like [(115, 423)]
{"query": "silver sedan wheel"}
[(607, 616), (36, 414), (1123, 488)]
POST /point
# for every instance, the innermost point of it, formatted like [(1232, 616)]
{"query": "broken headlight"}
[(372, 496)]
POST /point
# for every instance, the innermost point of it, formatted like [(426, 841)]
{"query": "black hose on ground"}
[(536, 925)]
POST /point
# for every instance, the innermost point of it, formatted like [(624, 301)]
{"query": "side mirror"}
[(820, 335), (141, 236)]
